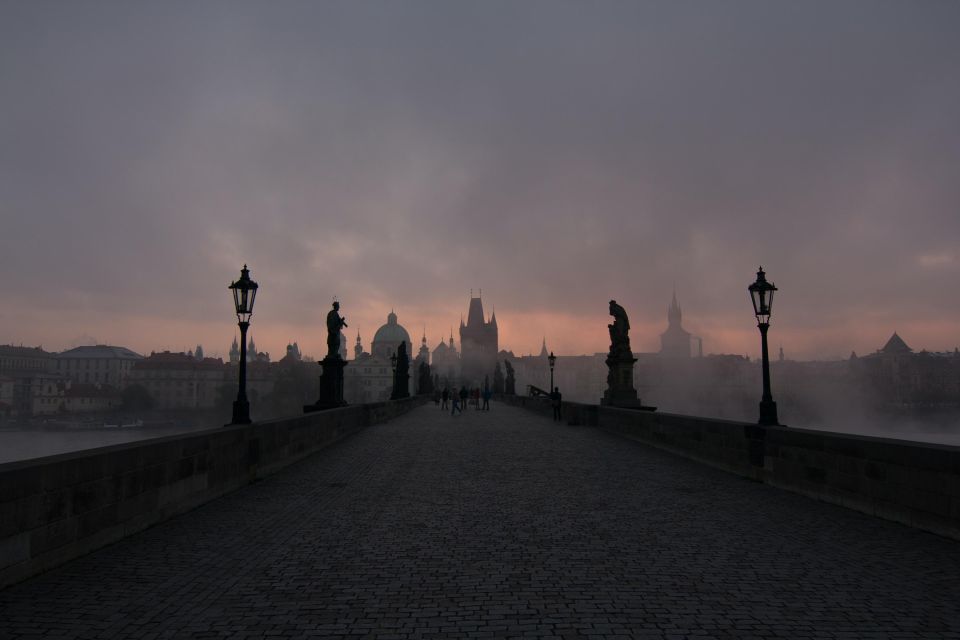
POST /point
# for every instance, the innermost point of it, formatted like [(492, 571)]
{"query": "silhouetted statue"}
[(401, 379), (497, 379), (334, 324), (619, 331), (620, 390), (331, 376), (511, 382)]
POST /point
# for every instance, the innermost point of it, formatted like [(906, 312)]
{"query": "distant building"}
[(6, 396), (100, 364), (178, 381), (82, 398), (675, 341), (479, 344), (368, 377), (25, 359), (293, 352), (48, 396), (235, 351), (255, 356), (445, 363), (423, 357), (31, 369), (896, 375), (388, 338)]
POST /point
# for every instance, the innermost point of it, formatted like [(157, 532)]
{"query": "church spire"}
[(673, 313), (543, 348)]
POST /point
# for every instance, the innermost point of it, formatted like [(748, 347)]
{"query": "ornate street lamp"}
[(244, 292), (761, 293), (553, 361)]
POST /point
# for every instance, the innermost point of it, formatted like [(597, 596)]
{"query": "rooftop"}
[(100, 351)]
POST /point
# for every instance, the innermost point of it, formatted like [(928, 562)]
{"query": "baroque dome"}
[(389, 336)]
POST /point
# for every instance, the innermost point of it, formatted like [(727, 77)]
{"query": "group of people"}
[(457, 399)]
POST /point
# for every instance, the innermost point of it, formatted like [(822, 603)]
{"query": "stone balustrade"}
[(56, 508), (914, 483)]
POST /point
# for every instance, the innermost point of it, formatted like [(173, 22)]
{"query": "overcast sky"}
[(556, 155)]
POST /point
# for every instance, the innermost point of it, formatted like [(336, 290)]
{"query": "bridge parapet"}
[(57, 508), (914, 483)]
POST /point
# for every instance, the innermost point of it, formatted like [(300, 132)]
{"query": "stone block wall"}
[(57, 508)]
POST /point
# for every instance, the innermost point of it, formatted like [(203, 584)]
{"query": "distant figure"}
[(436, 397), (455, 405), (445, 396), (510, 384), (486, 399), (556, 399), (475, 397), (334, 324), (463, 395)]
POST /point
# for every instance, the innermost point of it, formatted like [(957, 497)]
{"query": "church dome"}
[(389, 336), (392, 332)]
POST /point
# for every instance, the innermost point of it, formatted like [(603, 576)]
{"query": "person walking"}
[(463, 396), (486, 399), (455, 405), (445, 396), (556, 399)]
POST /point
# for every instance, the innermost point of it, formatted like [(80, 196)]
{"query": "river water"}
[(27, 443)]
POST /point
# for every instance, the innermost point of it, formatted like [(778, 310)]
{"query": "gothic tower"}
[(479, 344), (675, 341)]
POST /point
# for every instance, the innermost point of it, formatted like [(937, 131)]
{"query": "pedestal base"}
[(331, 386), (620, 390)]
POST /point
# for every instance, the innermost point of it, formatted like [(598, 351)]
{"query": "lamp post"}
[(761, 294), (244, 292), (553, 361)]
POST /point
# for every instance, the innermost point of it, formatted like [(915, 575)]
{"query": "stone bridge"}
[(501, 524)]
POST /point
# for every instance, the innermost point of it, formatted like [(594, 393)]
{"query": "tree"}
[(137, 398), (424, 379)]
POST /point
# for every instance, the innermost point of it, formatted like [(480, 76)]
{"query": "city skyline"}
[(396, 156), (647, 343)]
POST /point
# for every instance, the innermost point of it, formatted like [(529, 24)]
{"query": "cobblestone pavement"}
[(502, 524)]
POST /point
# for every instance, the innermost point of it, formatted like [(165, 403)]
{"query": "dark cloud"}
[(554, 153)]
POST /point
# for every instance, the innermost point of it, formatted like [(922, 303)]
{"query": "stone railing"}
[(913, 483), (57, 508)]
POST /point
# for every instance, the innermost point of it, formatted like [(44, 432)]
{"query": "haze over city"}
[(555, 155)]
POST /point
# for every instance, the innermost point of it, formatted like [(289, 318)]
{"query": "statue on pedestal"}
[(331, 375), (401, 376), (620, 390), (498, 385)]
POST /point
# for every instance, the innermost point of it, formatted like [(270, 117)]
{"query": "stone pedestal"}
[(401, 386), (620, 390), (331, 385)]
